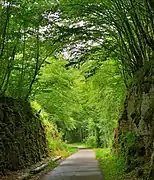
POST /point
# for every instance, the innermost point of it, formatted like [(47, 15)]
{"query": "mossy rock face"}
[(22, 136), (135, 131)]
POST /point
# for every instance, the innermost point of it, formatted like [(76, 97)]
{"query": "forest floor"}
[(80, 166)]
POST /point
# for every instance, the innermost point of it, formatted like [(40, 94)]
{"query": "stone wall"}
[(22, 137), (135, 132)]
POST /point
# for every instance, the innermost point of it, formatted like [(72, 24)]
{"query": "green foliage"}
[(24, 45), (105, 93), (112, 165), (82, 103), (123, 29), (56, 94), (81, 109), (56, 144), (54, 137), (130, 138), (91, 141), (79, 145)]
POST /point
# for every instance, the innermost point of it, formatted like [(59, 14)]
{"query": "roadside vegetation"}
[(112, 165)]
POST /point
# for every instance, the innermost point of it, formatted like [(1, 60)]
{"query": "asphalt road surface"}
[(80, 166)]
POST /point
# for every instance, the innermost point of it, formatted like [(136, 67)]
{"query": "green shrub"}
[(91, 141), (54, 138)]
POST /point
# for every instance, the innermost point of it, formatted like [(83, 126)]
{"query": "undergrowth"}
[(112, 165), (84, 145), (65, 151), (56, 145)]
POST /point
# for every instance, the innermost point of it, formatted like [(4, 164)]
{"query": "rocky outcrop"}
[(135, 132), (22, 137)]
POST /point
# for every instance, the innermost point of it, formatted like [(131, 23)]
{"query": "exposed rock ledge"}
[(135, 132)]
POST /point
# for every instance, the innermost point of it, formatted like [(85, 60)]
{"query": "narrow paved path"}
[(80, 166)]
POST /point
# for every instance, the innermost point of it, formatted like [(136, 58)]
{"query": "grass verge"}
[(79, 145), (112, 166), (66, 151)]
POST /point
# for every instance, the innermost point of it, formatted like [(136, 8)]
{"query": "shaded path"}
[(80, 166)]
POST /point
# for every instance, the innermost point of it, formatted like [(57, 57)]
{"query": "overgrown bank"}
[(132, 155), (27, 136)]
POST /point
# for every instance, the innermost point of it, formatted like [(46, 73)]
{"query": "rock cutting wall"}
[(22, 136), (135, 132)]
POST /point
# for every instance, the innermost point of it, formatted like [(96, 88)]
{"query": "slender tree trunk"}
[(36, 64), (4, 31), (10, 67), (21, 81)]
